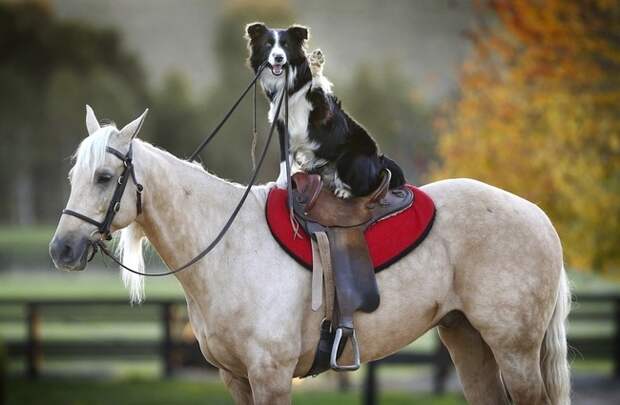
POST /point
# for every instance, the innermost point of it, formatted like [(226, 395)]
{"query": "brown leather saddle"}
[(337, 226)]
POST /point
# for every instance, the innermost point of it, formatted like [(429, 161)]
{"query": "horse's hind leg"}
[(474, 361), (238, 387), (520, 368)]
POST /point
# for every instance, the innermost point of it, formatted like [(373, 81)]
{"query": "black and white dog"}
[(323, 138)]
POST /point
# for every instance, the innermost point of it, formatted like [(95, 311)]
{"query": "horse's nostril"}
[(67, 252)]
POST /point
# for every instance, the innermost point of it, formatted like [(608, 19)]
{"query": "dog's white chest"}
[(298, 112)]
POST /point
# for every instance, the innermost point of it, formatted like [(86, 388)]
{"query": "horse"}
[(489, 276)]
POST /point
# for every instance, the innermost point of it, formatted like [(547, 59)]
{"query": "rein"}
[(103, 228)]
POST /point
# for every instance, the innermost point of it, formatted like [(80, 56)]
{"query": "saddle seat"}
[(316, 204), (337, 227)]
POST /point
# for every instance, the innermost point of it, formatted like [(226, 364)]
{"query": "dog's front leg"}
[(281, 181)]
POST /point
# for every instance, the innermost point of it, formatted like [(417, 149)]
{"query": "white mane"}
[(89, 156), (92, 150), (130, 250)]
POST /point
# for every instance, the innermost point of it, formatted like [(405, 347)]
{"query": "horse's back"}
[(481, 210)]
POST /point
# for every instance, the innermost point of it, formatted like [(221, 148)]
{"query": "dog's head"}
[(278, 47)]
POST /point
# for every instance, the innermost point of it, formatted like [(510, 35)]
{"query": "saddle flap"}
[(356, 286)]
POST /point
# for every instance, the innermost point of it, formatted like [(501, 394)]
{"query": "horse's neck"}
[(184, 206)]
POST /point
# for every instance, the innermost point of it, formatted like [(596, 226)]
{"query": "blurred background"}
[(523, 95)]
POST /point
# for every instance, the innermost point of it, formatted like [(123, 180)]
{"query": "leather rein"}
[(103, 227)]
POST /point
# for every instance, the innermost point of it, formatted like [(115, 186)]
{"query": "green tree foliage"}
[(176, 121), (385, 103), (48, 71)]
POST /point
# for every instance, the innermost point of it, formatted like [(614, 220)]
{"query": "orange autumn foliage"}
[(539, 115)]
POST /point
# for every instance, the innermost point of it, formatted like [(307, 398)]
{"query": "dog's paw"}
[(281, 182), (316, 60), (343, 193)]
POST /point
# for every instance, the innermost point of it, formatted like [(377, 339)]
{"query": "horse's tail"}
[(553, 353), (130, 252)]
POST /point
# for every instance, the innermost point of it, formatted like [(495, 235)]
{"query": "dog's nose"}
[(278, 58)]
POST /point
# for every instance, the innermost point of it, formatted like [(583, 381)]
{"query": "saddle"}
[(342, 266)]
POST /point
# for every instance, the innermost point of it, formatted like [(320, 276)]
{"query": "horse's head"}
[(94, 179)]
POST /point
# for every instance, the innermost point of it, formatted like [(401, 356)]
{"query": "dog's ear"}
[(255, 30), (299, 31)]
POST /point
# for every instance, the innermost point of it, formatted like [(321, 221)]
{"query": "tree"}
[(176, 121), (385, 103), (538, 114), (48, 71)]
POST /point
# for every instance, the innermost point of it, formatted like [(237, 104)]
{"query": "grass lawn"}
[(62, 392), (95, 283)]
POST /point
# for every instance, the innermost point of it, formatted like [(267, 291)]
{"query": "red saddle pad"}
[(388, 240)]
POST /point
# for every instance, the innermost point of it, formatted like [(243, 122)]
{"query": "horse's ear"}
[(130, 130), (92, 125)]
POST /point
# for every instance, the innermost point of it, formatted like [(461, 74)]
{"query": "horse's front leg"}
[(271, 384), (238, 387)]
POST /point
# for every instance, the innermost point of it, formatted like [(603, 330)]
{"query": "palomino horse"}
[(489, 275)]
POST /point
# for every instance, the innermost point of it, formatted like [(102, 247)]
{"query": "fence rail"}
[(174, 353), (35, 349)]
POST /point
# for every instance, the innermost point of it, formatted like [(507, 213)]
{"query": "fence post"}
[(166, 347), (616, 344), (344, 382), (370, 385), (34, 353), (442, 368)]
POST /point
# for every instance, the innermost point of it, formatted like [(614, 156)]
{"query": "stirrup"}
[(340, 333)]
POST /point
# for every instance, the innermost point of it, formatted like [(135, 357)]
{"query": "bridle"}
[(103, 227)]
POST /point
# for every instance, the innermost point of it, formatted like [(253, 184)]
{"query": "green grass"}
[(83, 392), (95, 283), (24, 246), (20, 235)]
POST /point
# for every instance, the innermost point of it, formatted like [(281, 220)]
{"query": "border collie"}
[(323, 138)]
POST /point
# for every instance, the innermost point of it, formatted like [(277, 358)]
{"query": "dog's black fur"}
[(340, 139)]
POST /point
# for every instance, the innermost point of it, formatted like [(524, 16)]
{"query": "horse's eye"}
[(103, 178)]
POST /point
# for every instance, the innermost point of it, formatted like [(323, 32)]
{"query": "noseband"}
[(103, 227)]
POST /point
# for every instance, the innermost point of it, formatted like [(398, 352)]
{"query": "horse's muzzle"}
[(70, 252)]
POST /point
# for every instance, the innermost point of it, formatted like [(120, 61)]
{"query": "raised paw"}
[(316, 60)]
